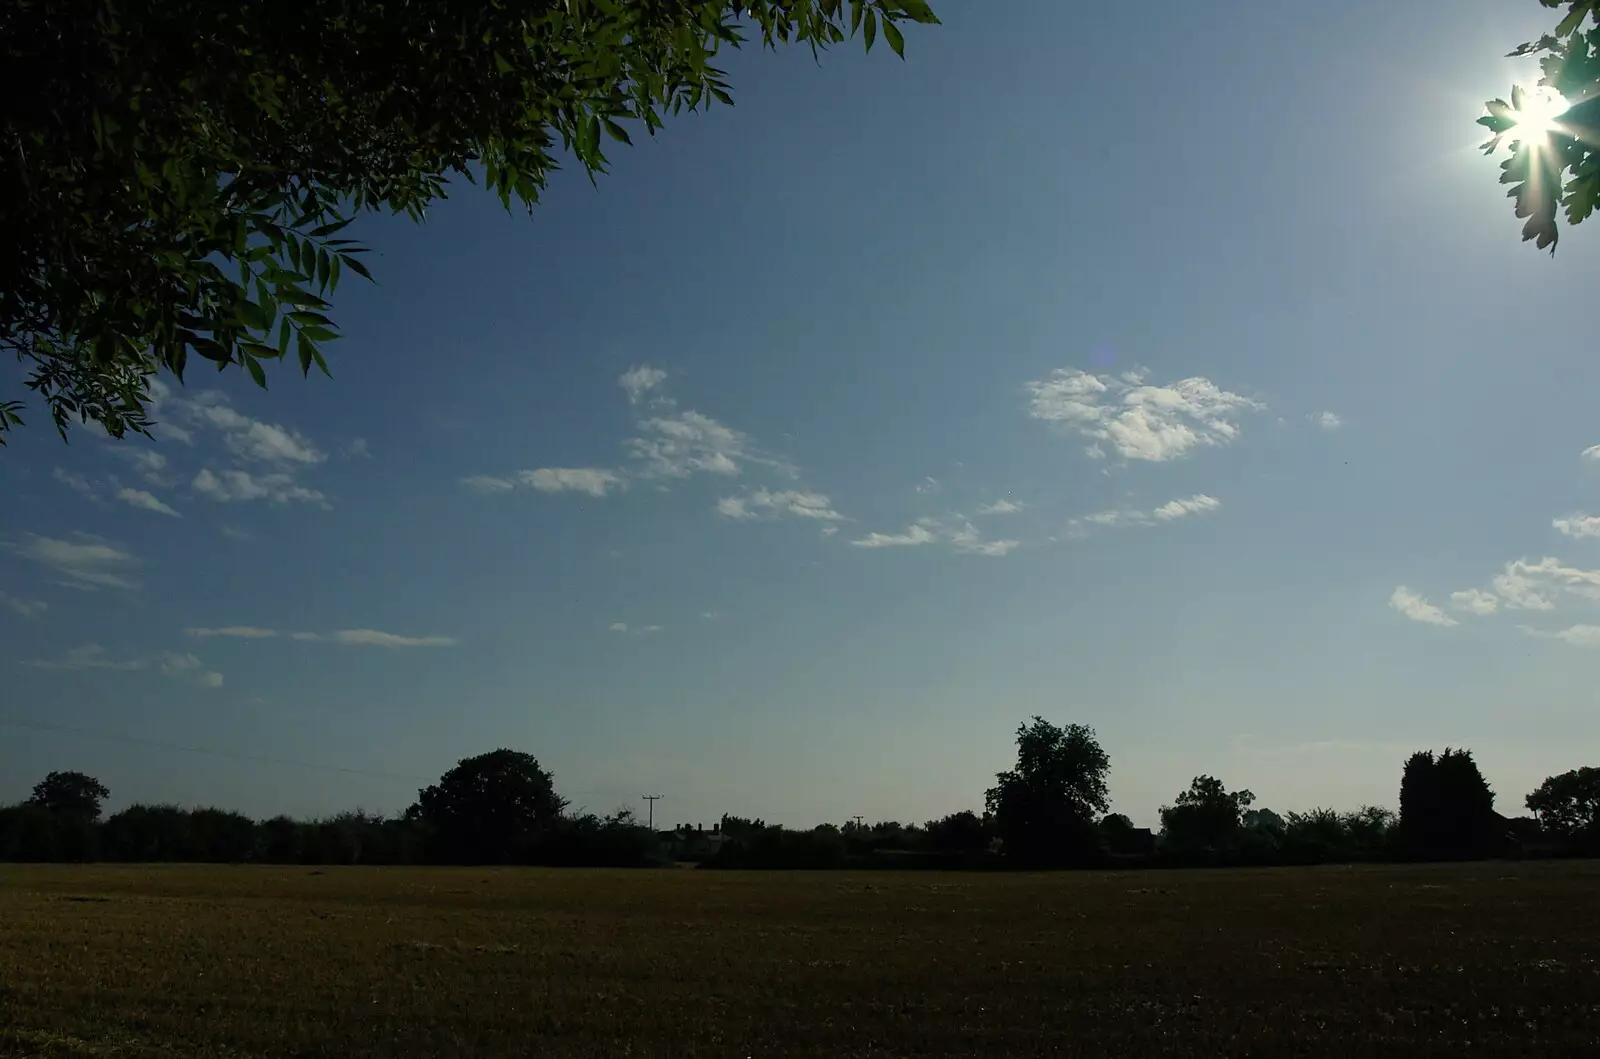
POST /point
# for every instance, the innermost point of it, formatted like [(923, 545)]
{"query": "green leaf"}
[(256, 371), (357, 267), (283, 336), (856, 8), (871, 30), (617, 132), (891, 33), (1575, 17)]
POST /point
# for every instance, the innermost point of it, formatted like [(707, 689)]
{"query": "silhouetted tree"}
[(1568, 807), (963, 832), (70, 794), (1447, 807), (491, 809), (1204, 817), (1045, 809)]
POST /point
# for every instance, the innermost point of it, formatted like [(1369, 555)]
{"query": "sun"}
[(1539, 115)]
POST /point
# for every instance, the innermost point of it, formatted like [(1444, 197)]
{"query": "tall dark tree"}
[(495, 808), (962, 832), (1044, 810), (176, 175), (1553, 128), (1206, 816), (70, 794), (1447, 807), (1568, 807)]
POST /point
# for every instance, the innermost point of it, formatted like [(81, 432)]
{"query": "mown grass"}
[(1487, 959)]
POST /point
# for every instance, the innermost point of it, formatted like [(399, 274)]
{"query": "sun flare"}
[(1539, 115)]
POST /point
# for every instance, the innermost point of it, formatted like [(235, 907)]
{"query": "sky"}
[(1181, 376)]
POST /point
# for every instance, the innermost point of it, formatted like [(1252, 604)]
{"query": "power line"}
[(45, 726)]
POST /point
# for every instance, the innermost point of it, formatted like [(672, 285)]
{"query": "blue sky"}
[(1181, 376)]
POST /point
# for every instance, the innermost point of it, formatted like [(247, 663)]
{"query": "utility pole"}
[(857, 819), (652, 799)]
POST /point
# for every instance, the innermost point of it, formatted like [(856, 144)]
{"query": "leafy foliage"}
[(70, 794), (1569, 806), (1206, 816), (177, 175), (1559, 170), (1446, 806), (1045, 809), (494, 808)]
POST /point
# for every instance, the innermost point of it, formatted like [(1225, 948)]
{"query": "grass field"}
[(1488, 959)]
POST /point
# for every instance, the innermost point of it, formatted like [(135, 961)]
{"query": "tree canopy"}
[(1045, 809), (494, 808), (1568, 806), (1206, 816), (176, 176), (1446, 806), (70, 794), (1553, 128)]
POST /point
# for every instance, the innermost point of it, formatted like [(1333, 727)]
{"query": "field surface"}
[(1488, 959)]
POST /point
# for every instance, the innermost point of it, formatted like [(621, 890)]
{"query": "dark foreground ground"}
[(1488, 959)]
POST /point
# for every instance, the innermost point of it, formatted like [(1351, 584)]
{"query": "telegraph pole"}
[(652, 799), (857, 819)]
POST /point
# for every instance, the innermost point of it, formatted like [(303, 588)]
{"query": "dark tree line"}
[(1050, 810)]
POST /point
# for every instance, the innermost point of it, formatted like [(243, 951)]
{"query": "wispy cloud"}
[(1112, 518), (1140, 421), (639, 380), (1577, 525), (594, 481), (252, 439), (240, 632), (148, 463), (184, 666), (488, 483), (145, 501), (636, 630), (1000, 507), (86, 562), (1413, 606), (955, 530), (23, 608), (232, 486), (1576, 635), (1475, 601), (915, 535), (1198, 504), (766, 504), (77, 483), (1328, 420), (1592, 454), (617, 626), (688, 442), (349, 637)]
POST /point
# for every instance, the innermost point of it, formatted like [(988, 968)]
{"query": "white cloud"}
[(594, 481), (766, 504), (76, 482), (23, 608), (1475, 601), (1525, 585), (241, 632), (646, 630), (145, 501), (89, 656), (87, 562), (617, 626), (189, 667), (184, 666), (1580, 635), (1139, 421), (357, 448), (1182, 507), (684, 443), (1000, 507), (487, 483), (916, 534), (1577, 525), (252, 439), (1327, 420), (929, 485), (1198, 504), (640, 380), (1591, 453), (1416, 608), (241, 486), (150, 464), (965, 538), (374, 638)]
